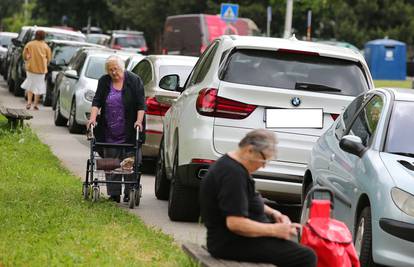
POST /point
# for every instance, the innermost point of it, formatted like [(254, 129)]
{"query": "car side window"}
[(144, 70), (77, 63), (346, 118), (197, 68), (366, 122), (206, 66)]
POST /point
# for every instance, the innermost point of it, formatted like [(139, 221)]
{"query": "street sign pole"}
[(269, 20), (309, 25), (288, 19)]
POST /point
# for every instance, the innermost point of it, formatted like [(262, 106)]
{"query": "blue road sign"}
[(229, 12)]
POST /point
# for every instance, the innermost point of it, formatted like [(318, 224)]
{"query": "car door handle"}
[(186, 93), (332, 157)]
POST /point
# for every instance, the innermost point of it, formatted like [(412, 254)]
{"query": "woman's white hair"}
[(114, 58)]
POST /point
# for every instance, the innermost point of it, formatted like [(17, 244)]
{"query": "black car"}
[(16, 69), (5, 42), (62, 52)]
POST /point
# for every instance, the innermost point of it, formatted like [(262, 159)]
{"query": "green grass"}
[(45, 222), (389, 83)]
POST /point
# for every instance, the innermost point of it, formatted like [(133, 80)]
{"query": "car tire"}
[(58, 118), (73, 126), (18, 91), (363, 238), (162, 184), (47, 100), (183, 203)]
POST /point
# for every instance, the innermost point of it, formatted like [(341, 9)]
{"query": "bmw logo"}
[(295, 101)]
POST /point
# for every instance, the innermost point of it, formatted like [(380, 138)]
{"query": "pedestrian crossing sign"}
[(229, 12)]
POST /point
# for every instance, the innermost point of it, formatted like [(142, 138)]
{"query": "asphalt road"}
[(73, 152)]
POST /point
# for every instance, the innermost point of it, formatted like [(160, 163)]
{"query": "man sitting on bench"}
[(239, 225)]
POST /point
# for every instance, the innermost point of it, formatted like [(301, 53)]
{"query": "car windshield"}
[(63, 36), (401, 130), (63, 53), (130, 41), (182, 71), (5, 40), (295, 71), (95, 68)]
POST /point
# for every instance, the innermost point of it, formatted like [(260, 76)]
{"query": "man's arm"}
[(249, 228), (276, 215)]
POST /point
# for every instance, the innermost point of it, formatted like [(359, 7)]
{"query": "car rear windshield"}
[(289, 70), (182, 71), (400, 130), (5, 40), (130, 41), (96, 67), (63, 53), (62, 36)]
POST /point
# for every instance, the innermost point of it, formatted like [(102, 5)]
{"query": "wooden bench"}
[(204, 259), (15, 116)]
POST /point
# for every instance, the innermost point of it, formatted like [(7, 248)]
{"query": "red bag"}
[(329, 238)]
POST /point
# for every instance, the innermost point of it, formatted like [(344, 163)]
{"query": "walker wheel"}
[(132, 197), (95, 193)]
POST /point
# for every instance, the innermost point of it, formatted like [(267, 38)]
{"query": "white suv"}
[(240, 83)]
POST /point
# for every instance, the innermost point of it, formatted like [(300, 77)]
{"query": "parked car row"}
[(334, 128)]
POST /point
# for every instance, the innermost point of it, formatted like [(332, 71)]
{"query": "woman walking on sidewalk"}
[(37, 55)]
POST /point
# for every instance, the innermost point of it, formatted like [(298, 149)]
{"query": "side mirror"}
[(71, 74), (352, 144), (170, 82), (16, 42)]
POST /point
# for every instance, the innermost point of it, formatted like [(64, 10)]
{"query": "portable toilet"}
[(386, 59)]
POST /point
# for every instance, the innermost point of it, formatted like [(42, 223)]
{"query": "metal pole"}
[(26, 3), (288, 19), (309, 25), (269, 20)]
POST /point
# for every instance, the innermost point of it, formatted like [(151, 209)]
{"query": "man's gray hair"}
[(260, 139), (114, 58)]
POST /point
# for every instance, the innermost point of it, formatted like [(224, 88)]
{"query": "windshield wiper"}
[(315, 87), (407, 154)]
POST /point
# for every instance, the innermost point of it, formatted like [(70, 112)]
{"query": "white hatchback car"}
[(151, 69), (240, 83)]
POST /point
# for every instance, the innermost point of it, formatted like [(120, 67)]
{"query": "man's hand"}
[(279, 217), (285, 230)]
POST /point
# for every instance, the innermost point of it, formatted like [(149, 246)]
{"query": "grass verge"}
[(45, 221), (389, 83)]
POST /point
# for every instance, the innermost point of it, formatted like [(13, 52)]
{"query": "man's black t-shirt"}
[(228, 190)]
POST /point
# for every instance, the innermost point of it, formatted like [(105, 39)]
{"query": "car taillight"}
[(209, 104), (155, 108), (164, 51), (202, 161), (144, 49), (334, 116), (116, 47)]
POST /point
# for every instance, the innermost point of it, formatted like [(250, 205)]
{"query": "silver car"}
[(151, 69), (132, 61), (77, 87), (366, 158)]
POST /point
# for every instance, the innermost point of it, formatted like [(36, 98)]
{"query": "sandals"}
[(28, 106), (35, 108)]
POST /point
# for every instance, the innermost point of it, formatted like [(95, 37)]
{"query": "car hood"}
[(401, 169)]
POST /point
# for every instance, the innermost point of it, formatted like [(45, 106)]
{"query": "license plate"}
[(294, 118)]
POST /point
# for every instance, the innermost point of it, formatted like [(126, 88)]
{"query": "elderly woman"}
[(120, 101), (37, 55), (239, 225)]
